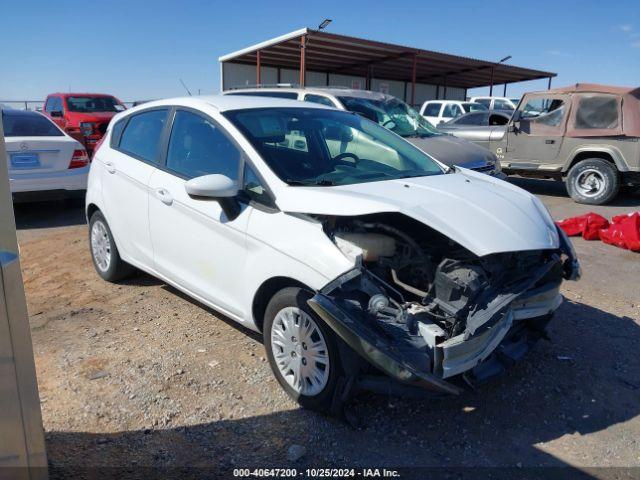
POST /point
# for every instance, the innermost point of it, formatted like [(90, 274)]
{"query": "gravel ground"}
[(137, 374)]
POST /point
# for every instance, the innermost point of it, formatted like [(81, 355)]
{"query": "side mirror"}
[(56, 113), (216, 187), (212, 186)]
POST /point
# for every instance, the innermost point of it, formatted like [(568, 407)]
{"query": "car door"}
[(196, 246), (535, 138), (472, 126), (127, 167)]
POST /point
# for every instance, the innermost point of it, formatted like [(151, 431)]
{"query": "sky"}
[(141, 49)]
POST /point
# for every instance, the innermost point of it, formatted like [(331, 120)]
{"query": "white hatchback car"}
[(43, 160), (351, 250)]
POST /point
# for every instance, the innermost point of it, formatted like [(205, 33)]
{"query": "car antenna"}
[(185, 87)]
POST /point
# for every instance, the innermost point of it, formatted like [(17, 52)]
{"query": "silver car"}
[(478, 127)]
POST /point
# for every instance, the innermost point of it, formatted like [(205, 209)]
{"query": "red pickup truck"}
[(84, 116)]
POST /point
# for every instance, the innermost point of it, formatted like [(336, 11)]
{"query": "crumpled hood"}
[(452, 150), (481, 213)]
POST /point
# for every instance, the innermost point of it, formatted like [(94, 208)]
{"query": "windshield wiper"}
[(310, 183)]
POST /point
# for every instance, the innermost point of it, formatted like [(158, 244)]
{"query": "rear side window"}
[(321, 99), (141, 138), (117, 131), (484, 101), (432, 109), (597, 111), (198, 147), (29, 125)]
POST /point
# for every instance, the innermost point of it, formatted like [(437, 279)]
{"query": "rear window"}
[(88, 104), (29, 125), (484, 101), (597, 112), (141, 137)]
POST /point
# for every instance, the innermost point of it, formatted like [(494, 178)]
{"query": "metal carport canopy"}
[(314, 50)]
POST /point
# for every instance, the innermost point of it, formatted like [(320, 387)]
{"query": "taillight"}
[(80, 159)]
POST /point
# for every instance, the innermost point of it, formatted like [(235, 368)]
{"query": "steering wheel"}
[(388, 122), (342, 156)]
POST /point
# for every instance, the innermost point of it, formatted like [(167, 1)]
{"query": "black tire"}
[(608, 183), (115, 268), (297, 298)]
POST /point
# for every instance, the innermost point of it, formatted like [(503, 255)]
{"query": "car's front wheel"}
[(593, 181), (104, 253), (301, 349)]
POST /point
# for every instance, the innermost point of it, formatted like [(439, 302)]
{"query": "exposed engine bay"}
[(422, 308)]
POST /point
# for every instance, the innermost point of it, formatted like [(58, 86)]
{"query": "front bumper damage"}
[(496, 336)]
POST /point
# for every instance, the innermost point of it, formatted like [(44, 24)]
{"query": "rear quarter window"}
[(116, 132)]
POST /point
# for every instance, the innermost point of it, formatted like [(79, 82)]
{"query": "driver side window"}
[(198, 147)]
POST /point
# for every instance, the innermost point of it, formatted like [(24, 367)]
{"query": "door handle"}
[(164, 196), (549, 141), (111, 168)]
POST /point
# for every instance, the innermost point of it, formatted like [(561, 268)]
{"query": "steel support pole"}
[(258, 68), (303, 66), (22, 450), (413, 79), (549, 84), (504, 92), (491, 84)]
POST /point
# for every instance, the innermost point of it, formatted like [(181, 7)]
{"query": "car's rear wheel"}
[(104, 253), (301, 349), (593, 181)]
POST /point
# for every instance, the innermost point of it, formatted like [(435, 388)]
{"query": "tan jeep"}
[(585, 134)]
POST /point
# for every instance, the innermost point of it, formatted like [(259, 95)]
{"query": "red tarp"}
[(588, 225), (623, 231)]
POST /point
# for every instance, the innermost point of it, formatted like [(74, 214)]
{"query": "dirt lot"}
[(138, 374)]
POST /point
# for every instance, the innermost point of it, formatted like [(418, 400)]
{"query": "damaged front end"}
[(428, 312)]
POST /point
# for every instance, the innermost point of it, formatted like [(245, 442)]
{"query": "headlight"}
[(86, 128)]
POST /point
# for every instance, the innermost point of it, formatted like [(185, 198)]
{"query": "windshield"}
[(28, 125), (391, 113), (474, 107), (314, 146), (93, 104)]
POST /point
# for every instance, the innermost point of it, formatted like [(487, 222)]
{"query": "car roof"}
[(227, 102)]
